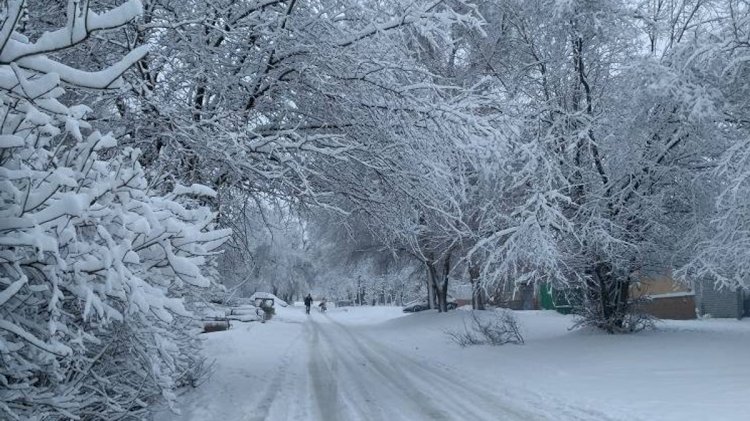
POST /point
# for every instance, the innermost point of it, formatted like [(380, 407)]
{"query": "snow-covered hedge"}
[(93, 264)]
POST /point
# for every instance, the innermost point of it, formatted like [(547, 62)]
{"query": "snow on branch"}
[(81, 23), (12, 14), (94, 267), (408, 18), (102, 79)]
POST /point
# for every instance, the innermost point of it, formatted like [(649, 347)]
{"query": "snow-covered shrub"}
[(499, 328), (627, 317), (93, 264)]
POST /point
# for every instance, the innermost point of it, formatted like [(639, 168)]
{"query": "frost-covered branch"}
[(81, 24), (94, 268)]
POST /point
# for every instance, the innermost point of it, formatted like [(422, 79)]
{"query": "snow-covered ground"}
[(374, 363)]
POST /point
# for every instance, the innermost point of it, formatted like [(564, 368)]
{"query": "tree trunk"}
[(609, 298), (431, 284), (360, 292), (443, 290), (477, 295)]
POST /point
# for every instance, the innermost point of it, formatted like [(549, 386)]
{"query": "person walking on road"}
[(308, 303), (322, 305)]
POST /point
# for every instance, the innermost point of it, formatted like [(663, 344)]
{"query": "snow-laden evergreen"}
[(94, 265)]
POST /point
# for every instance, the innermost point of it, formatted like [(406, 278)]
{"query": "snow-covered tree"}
[(326, 103), (283, 98), (269, 250), (609, 134), (719, 60), (93, 264)]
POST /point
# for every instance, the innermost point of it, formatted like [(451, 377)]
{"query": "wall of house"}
[(515, 297), (676, 306), (656, 283), (717, 303)]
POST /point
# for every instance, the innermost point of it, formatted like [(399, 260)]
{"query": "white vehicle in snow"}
[(260, 297), (422, 304)]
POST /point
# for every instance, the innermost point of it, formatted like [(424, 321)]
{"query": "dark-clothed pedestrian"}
[(308, 303)]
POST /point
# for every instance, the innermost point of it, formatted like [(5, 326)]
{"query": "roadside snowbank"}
[(365, 315), (684, 370)]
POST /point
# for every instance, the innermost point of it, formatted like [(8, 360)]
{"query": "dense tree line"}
[(347, 143)]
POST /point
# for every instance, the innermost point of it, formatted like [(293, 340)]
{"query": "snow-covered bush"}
[(498, 328), (93, 264), (624, 317)]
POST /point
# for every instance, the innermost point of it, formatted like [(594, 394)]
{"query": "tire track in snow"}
[(387, 382), (344, 375), (467, 398), (323, 374), (553, 408), (264, 404), (409, 375), (359, 400)]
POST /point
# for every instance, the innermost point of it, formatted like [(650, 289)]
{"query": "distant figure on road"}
[(322, 305), (308, 303)]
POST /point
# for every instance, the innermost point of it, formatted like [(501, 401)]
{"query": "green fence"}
[(554, 299)]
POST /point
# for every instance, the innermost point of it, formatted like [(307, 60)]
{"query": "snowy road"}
[(326, 368), (357, 378)]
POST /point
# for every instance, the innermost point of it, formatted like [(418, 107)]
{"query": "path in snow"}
[(317, 368), (356, 378), (351, 376), (375, 363)]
